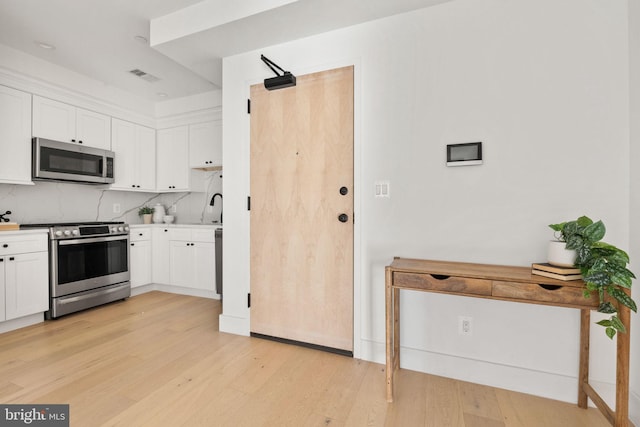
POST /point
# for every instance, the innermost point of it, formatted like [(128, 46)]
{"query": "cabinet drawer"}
[(532, 292), (180, 234), (207, 235), (192, 234), (23, 244), (461, 285), (138, 234)]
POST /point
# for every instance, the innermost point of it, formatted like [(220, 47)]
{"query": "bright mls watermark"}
[(34, 415)]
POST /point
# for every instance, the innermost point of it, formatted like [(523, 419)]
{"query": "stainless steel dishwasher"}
[(218, 247)]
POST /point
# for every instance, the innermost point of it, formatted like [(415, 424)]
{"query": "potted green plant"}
[(603, 267), (146, 213)]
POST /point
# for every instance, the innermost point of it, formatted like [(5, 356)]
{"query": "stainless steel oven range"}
[(88, 265)]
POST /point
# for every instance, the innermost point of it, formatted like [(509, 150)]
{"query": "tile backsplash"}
[(66, 202)]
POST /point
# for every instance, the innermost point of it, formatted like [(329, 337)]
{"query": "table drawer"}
[(438, 283), (532, 292)]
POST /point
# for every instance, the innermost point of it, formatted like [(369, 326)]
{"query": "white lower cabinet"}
[(192, 258), (140, 257), (24, 276), (160, 256), (174, 256)]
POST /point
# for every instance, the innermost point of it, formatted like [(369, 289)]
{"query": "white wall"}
[(26, 72), (544, 86), (634, 50)]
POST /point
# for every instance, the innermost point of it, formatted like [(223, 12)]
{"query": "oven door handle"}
[(93, 240)]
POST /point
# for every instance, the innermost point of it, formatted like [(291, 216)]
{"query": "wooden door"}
[(301, 253)]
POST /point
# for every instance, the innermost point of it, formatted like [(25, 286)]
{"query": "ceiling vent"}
[(144, 76)]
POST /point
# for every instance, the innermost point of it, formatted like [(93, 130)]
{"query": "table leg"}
[(396, 328), (389, 317), (622, 368), (583, 372)]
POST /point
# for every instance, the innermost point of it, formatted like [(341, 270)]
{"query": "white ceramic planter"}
[(158, 213), (558, 254)]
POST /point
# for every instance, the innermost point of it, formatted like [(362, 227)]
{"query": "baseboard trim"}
[(634, 408), (21, 322), (515, 378), (234, 325), (174, 290)]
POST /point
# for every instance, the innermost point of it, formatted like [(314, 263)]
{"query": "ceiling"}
[(97, 38)]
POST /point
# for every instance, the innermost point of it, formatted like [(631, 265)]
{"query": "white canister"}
[(158, 213), (559, 255)]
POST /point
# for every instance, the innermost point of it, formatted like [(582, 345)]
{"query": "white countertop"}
[(24, 232), (179, 225)]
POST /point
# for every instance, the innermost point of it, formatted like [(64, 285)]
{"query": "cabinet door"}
[(123, 144), (182, 264), (15, 136), (93, 129), (26, 284), (3, 315), (205, 145), (160, 252), (204, 266), (134, 145), (140, 256), (145, 158), (173, 159), (54, 120)]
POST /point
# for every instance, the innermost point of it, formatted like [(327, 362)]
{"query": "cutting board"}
[(6, 226)]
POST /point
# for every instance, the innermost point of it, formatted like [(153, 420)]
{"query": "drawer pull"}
[(550, 287), (440, 276)]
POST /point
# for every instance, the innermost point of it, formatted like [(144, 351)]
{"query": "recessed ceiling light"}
[(44, 45), (162, 94), (141, 39)]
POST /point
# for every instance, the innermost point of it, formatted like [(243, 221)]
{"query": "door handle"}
[(343, 217)]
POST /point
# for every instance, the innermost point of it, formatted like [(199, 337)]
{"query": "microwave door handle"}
[(102, 174)]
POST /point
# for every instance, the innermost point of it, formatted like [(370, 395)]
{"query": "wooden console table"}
[(506, 283)]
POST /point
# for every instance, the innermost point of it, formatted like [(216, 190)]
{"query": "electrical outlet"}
[(116, 208), (173, 209), (465, 325)]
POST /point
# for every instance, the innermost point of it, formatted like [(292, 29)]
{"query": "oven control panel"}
[(68, 231)]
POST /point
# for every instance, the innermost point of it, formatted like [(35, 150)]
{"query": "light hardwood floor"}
[(158, 359)]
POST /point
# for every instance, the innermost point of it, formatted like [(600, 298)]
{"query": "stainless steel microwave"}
[(63, 161)]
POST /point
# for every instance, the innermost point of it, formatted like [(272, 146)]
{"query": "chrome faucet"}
[(213, 201)]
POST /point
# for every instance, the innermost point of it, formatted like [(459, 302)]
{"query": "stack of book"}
[(555, 272)]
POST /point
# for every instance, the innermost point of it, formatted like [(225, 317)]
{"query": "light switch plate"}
[(382, 189)]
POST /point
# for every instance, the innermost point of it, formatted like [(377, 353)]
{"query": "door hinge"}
[(248, 203), (249, 300), (248, 106)]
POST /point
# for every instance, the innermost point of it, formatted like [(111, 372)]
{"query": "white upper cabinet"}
[(63, 122), (173, 159), (93, 129), (15, 136), (135, 161), (205, 145)]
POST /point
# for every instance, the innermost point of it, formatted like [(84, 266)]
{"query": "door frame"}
[(357, 187)]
